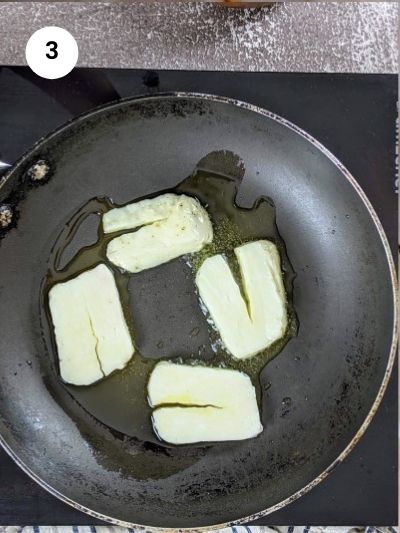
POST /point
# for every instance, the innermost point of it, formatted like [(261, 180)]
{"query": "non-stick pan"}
[(320, 392)]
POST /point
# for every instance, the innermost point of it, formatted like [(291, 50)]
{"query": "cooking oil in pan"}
[(120, 400)]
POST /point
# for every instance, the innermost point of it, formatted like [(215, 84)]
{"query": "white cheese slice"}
[(246, 326), (140, 213), (171, 225), (91, 333), (202, 404)]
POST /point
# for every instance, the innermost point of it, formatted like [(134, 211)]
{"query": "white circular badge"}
[(51, 52)]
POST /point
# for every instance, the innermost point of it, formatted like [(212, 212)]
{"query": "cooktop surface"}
[(353, 116)]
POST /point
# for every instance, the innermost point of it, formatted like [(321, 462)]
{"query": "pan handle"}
[(78, 92), (5, 210)]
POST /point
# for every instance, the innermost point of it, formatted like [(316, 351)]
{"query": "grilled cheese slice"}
[(169, 225), (246, 325), (90, 330), (202, 404)]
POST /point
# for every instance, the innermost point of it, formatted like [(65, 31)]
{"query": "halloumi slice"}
[(171, 225), (91, 333), (247, 326), (202, 404), (139, 213)]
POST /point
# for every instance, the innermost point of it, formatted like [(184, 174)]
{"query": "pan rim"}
[(392, 353)]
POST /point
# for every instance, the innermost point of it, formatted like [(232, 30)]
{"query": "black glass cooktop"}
[(354, 116)]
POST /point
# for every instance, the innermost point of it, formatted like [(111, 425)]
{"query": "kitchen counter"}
[(289, 37)]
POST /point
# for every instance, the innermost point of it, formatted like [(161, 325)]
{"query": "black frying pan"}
[(320, 392)]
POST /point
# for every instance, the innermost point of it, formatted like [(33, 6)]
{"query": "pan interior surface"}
[(317, 392)]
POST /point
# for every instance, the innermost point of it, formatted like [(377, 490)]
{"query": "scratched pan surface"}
[(325, 385)]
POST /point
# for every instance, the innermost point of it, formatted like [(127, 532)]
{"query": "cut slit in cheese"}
[(246, 328), (171, 225), (90, 330), (202, 404)]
